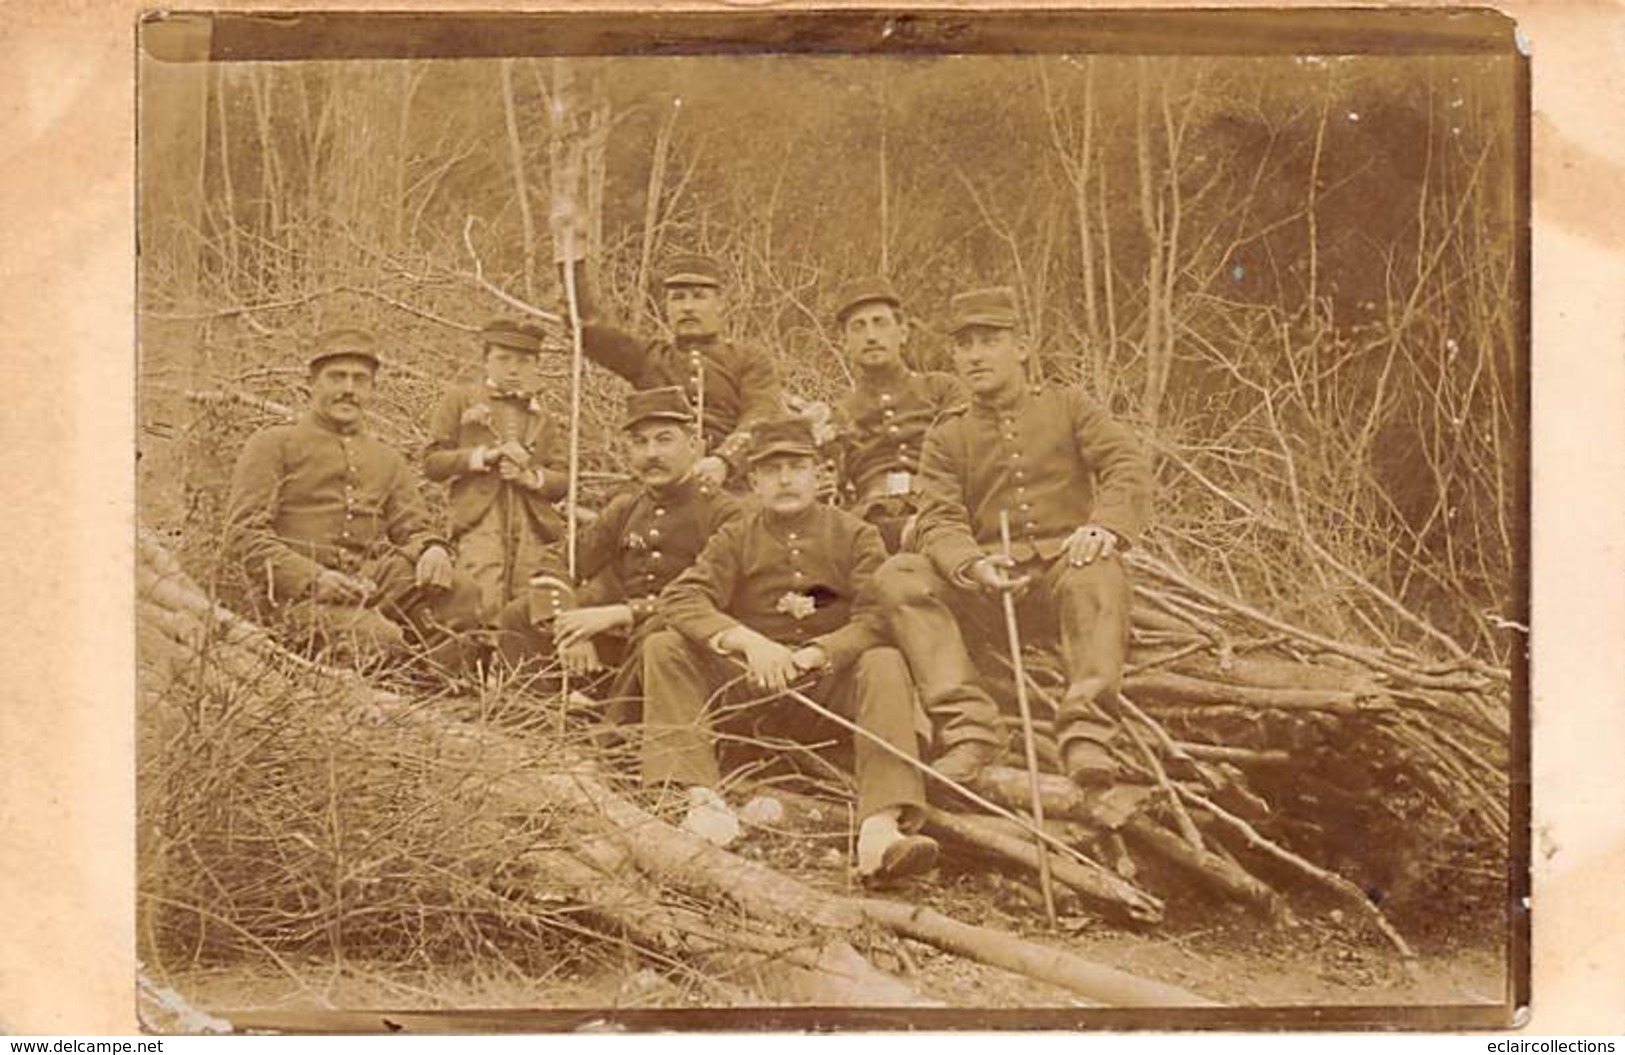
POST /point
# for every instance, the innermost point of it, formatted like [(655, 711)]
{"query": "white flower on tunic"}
[(797, 606)]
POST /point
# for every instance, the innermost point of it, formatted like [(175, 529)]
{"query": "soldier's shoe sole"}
[(911, 855)]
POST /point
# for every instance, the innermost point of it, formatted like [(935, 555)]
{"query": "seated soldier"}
[(643, 539), (775, 596), (1076, 488), (333, 532), (498, 449), (882, 423), (729, 385)]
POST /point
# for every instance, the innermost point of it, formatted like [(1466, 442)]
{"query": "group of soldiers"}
[(722, 587)]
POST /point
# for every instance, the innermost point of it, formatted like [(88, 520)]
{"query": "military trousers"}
[(502, 550), (683, 680), (1084, 610), (400, 620)]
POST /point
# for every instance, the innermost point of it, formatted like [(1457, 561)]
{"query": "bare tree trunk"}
[(651, 213), (1152, 222), (516, 154)]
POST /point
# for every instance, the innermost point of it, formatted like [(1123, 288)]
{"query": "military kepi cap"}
[(875, 290), (505, 333), (994, 306), (780, 437), (657, 404), (347, 343), (692, 269)]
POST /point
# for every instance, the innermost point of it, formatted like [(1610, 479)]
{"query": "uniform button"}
[(891, 428), (660, 511), (797, 574), (654, 554), (885, 397), (654, 533), (793, 535), (1025, 506), (888, 413)]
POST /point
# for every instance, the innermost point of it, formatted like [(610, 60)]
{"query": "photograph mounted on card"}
[(832, 519)]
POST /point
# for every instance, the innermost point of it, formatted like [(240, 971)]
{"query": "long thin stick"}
[(572, 486), (1013, 633)]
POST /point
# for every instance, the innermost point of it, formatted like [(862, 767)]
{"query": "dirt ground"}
[(1322, 959)]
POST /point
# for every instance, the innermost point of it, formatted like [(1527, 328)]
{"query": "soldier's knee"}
[(882, 664), (374, 635), (663, 647), (1101, 584), (906, 579)]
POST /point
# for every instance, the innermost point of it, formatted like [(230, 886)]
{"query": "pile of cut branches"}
[(1274, 766)]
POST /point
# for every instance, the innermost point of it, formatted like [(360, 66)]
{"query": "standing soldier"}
[(1076, 488), (730, 387), (775, 594), (643, 539), (499, 450), (333, 532), (882, 424)]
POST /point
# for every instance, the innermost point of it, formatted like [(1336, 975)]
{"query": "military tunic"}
[(799, 581), (312, 496), (880, 431), (505, 532), (1053, 461), (643, 540), (730, 387)]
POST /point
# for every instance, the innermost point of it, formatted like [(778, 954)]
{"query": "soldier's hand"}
[(580, 657), (565, 222), (810, 658), (335, 587), (711, 470), (992, 572), (514, 451), (1089, 544), (434, 568), (771, 666), (509, 471), (583, 624)]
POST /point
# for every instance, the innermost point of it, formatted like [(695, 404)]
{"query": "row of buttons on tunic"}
[(888, 414), (349, 487), (1020, 475)]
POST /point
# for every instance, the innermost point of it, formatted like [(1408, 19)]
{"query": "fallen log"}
[(1107, 892), (1166, 688), (1108, 986), (1224, 876)]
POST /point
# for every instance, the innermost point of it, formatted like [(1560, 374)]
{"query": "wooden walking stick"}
[(570, 158), (1013, 632)]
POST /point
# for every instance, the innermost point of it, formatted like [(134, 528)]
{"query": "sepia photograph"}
[(832, 520)]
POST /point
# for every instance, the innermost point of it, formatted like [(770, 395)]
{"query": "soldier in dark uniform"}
[(729, 386), (641, 541), (500, 452), (881, 425), (1076, 487), (775, 596), (333, 533)]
